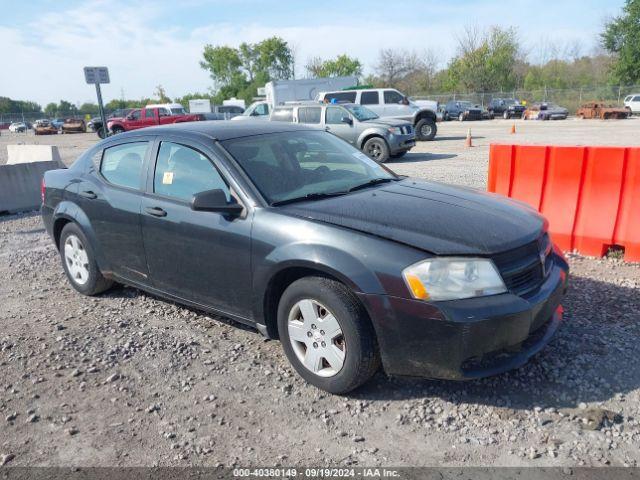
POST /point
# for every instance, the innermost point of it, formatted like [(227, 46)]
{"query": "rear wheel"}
[(79, 262), (377, 149), (426, 129), (326, 335)]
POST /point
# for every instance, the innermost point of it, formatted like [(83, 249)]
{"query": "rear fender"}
[(70, 211)]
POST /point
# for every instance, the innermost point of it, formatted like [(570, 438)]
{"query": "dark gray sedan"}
[(298, 234)]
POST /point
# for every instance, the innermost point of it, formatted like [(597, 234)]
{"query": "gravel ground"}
[(127, 379)]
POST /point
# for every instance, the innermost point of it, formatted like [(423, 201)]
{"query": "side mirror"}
[(346, 120), (215, 201)]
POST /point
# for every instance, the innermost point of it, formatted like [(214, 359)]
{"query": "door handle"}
[(156, 211), (88, 194)]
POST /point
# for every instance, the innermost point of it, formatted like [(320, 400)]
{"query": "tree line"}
[(485, 61)]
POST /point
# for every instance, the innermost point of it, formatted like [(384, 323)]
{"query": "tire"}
[(446, 117), (399, 155), (117, 129), (426, 129), (377, 149), (82, 270), (356, 338), (101, 132), (461, 117)]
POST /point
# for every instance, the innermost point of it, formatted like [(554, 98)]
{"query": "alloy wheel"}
[(316, 337), (77, 260), (425, 130), (374, 151)]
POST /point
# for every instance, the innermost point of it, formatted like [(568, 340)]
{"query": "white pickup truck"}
[(632, 102), (390, 103)]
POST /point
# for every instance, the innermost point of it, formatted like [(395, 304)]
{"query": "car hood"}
[(430, 216), (386, 122)]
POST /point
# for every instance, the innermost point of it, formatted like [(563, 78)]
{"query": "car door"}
[(202, 257), (110, 194), (393, 104), (148, 117), (373, 101), (135, 120), (333, 120)]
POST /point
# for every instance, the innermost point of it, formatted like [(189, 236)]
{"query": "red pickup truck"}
[(147, 117)]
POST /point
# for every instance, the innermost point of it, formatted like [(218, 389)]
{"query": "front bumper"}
[(401, 143), (470, 338)]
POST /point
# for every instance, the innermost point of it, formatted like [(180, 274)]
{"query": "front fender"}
[(370, 132), (67, 210), (322, 258)]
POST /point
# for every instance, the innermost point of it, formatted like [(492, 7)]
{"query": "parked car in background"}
[(74, 125), (602, 111), (57, 122), (44, 127), (506, 108), (258, 110), (295, 233), (95, 124), (147, 117), (380, 139), (545, 111), (389, 103), (463, 110), (18, 127), (222, 112), (632, 102)]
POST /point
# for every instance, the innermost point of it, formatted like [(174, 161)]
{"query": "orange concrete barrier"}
[(590, 195)]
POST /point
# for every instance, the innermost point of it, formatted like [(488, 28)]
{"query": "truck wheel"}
[(426, 129), (376, 149), (101, 132), (117, 129)]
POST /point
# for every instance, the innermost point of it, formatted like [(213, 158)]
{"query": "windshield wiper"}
[(308, 196), (370, 183)]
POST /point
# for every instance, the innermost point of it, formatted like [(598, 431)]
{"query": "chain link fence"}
[(570, 98)]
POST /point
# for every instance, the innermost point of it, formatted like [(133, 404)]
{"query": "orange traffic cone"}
[(513, 128), (468, 142)]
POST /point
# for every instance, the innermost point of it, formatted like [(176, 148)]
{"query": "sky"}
[(45, 43)]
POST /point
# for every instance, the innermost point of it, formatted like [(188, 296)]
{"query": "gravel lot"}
[(127, 379)]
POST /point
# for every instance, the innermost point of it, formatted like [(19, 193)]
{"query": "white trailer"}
[(200, 105), (279, 92)]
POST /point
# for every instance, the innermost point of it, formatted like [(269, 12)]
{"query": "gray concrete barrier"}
[(32, 153), (20, 185)]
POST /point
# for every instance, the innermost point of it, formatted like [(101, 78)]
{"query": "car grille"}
[(406, 130), (524, 269)]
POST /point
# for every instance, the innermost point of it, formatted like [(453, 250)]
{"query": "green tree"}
[(89, 107), (342, 66), (621, 37), (51, 109), (162, 95), (238, 72), (485, 61)]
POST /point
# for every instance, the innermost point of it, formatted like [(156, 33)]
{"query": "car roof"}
[(220, 130)]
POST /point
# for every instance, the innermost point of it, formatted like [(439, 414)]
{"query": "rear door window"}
[(369, 98), (122, 164), (309, 115)]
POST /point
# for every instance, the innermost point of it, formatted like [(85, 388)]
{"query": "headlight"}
[(453, 278), (394, 130)]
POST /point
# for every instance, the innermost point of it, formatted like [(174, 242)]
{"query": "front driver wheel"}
[(326, 335), (376, 149), (79, 262)]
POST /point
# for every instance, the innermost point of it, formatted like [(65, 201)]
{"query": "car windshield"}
[(303, 165), (361, 113)]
